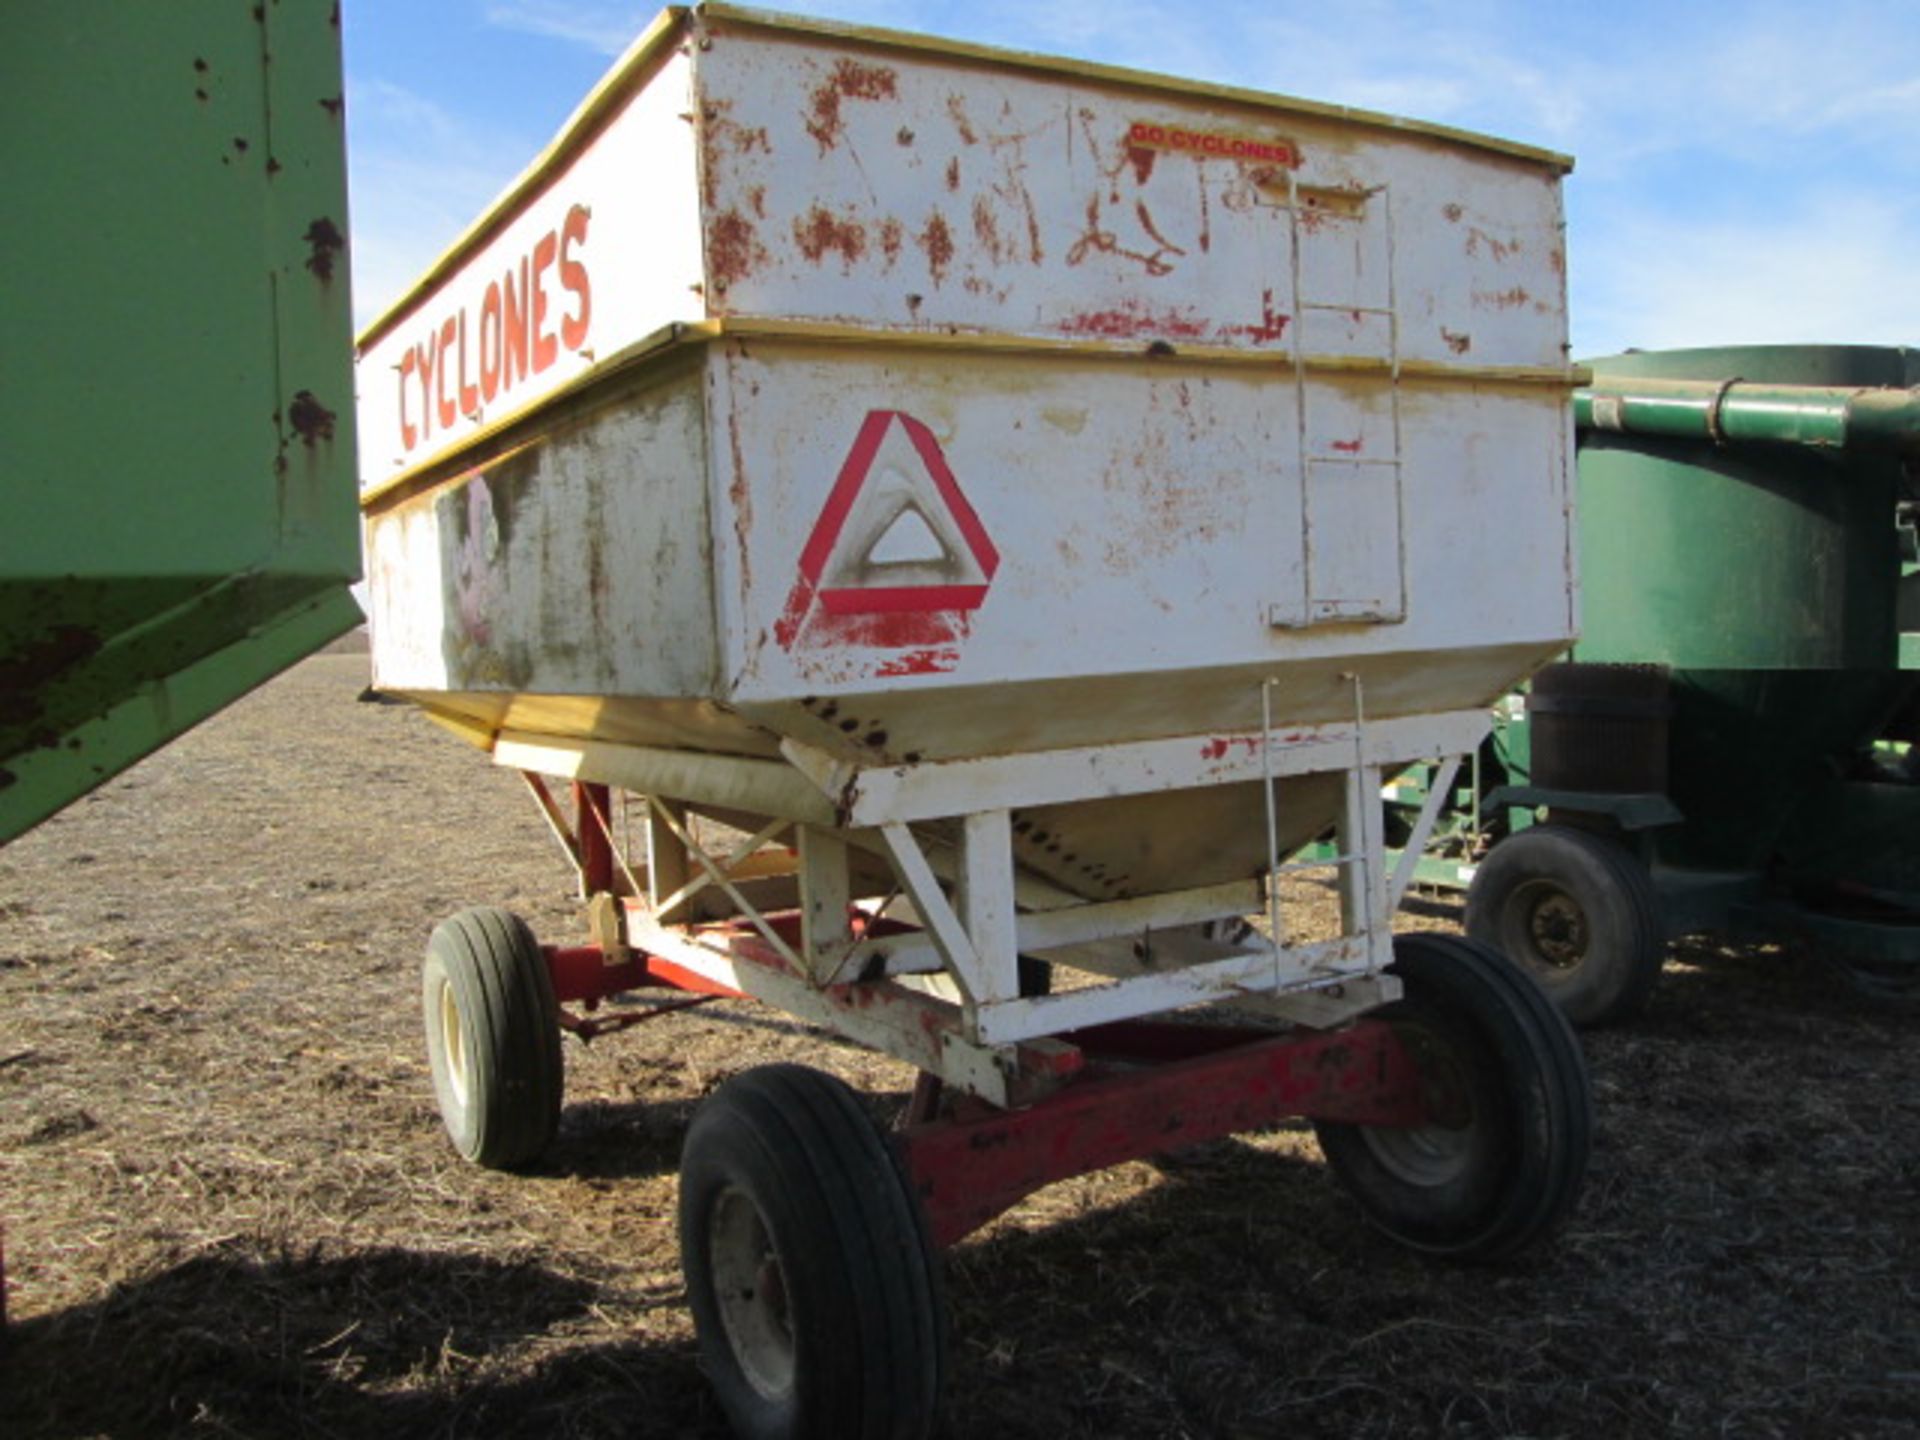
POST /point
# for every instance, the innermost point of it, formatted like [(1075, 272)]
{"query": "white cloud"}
[(604, 27), (418, 176), (1834, 267)]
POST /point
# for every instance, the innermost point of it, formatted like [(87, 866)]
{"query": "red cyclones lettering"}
[(513, 342), (465, 360), (1214, 142), (443, 405), (573, 276), (546, 349)]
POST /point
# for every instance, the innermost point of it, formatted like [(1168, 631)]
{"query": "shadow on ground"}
[(383, 1343)]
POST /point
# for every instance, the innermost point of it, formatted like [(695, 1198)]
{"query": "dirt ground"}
[(229, 1207)]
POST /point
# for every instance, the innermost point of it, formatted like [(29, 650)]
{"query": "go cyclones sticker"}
[(1210, 144)]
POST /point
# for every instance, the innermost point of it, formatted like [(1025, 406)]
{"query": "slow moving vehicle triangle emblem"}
[(898, 557)]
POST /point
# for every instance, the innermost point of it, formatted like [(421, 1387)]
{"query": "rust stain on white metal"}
[(849, 80)]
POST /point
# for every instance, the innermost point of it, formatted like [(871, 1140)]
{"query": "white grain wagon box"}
[(1025, 497)]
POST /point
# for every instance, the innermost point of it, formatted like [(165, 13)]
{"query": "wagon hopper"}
[(954, 523)]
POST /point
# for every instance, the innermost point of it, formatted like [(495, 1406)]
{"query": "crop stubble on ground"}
[(229, 1207)]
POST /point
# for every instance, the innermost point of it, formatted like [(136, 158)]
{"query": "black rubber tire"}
[(786, 1179), (493, 1037), (1579, 913), (1504, 1165)]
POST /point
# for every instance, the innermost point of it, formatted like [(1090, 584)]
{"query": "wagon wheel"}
[(1501, 1160), (1579, 912), (815, 1289), (493, 1037)]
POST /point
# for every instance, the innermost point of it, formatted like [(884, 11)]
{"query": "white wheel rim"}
[(749, 1284), (454, 1045), (1426, 1155), (1431, 1155)]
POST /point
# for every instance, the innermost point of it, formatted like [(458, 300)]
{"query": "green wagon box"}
[(177, 512)]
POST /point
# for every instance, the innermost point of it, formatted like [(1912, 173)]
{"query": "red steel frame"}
[(1129, 1091), (581, 974), (1222, 1081), (592, 807)]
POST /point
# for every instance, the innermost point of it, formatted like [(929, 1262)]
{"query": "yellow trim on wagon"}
[(1120, 75), (672, 341)]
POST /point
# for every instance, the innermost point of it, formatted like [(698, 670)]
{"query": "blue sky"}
[(1745, 171)]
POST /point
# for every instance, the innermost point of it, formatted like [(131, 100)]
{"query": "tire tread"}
[(516, 1074), (1620, 984), (1545, 1083), (839, 1180)]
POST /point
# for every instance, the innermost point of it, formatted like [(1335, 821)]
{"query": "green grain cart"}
[(177, 512), (1716, 757)]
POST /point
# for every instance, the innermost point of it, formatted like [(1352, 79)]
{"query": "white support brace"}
[(1437, 794), (1322, 1007), (1363, 880), (986, 902), (918, 1029), (934, 911), (1328, 1006), (719, 877), (1067, 925), (826, 898), (557, 824), (1238, 977), (733, 866), (1139, 917), (667, 868), (935, 790)]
